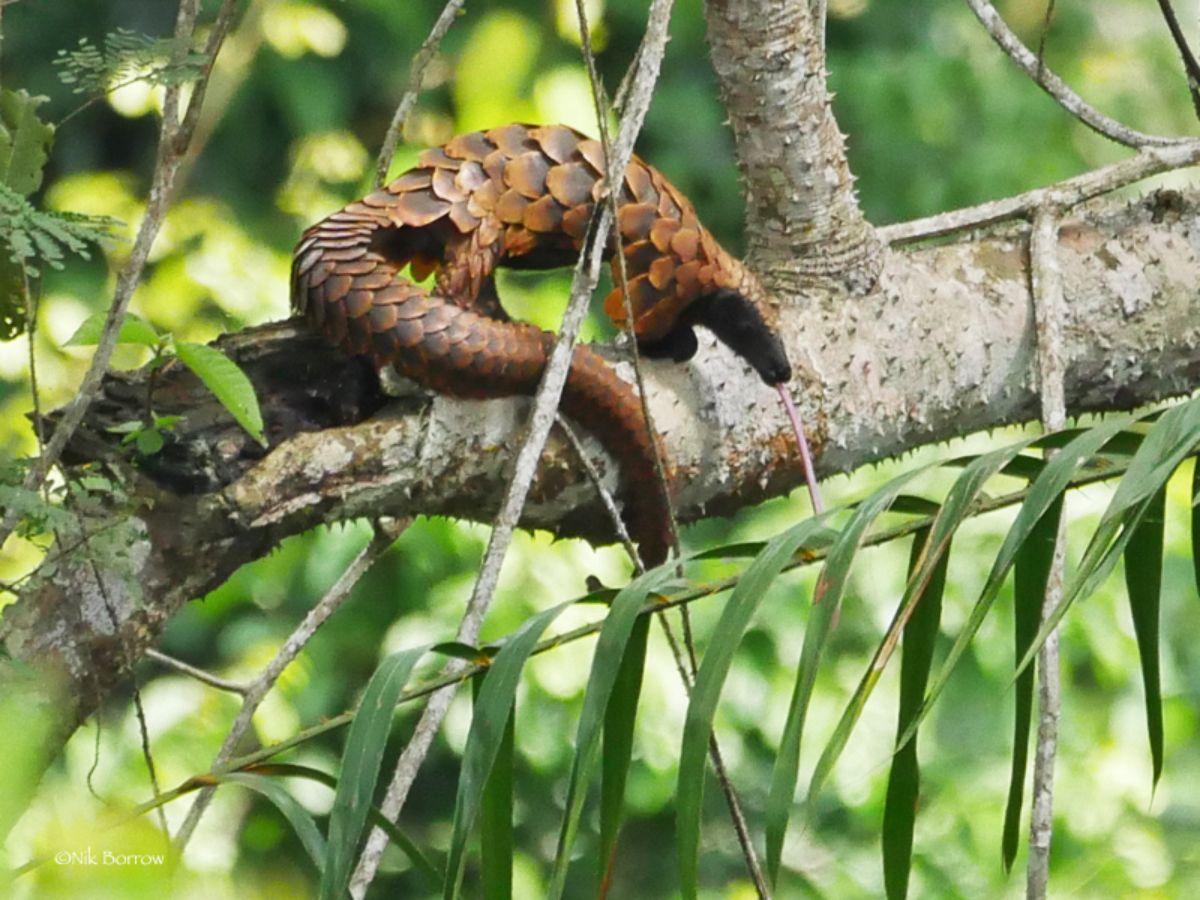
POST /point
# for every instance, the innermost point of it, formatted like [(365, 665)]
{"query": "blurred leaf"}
[(495, 821), (134, 330), (492, 709), (302, 823), (24, 141), (1031, 571), (376, 816), (606, 665), (14, 300), (149, 441), (127, 57), (826, 598), (360, 767), (904, 780), (1196, 522), (619, 721), (228, 383), (1143, 581)]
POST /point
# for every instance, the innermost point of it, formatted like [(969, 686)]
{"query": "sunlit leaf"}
[(24, 141), (228, 384), (298, 817), (134, 330)]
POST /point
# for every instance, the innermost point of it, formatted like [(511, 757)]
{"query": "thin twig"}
[(606, 497), (416, 75), (1049, 311), (254, 692), (174, 137), (541, 419), (1056, 87), (1190, 65), (215, 681), (1062, 195)]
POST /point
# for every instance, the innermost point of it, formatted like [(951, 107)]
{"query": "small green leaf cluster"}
[(220, 374), (126, 57)]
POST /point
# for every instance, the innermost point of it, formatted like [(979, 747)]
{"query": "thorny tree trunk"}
[(894, 350)]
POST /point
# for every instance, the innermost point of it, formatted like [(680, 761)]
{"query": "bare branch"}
[(254, 692), (175, 135), (201, 675), (1058, 89), (1049, 307), (416, 75), (1190, 65), (1062, 195)]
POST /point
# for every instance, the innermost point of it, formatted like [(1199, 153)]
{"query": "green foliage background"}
[(936, 118)]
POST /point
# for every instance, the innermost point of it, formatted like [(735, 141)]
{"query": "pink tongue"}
[(810, 477)]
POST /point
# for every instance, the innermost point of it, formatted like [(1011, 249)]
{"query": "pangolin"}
[(522, 196)]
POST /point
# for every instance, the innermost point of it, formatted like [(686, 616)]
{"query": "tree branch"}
[(802, 213)]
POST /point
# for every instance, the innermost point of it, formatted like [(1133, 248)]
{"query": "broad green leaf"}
[(831, 585), (957, 506), (904, 780), (134, 330), (1031, 571), (1143, 582), (228, 383), (360, 767), (492, 709), (495, 821), (710, 679), (149, 441), (24, 141), (302, 823), (606, 664), (1046, 489), (619, 720)]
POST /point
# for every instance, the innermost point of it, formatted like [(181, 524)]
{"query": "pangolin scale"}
[(522, 196)]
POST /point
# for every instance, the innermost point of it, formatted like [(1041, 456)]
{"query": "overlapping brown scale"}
[(526, 173), (445, 186), (510, 208), (637, 182), (575, 221), (639, 256), (462, 218), (687, 278), (543, 215), (511, 140), (344, 250), (635, 219), (416, 209), (685, 244), (557, 141), (436, 157), (473, 145), (470, 176), (661, 233), (358, 303), (661, 272), (593, 152), (412, 180), (483, 200), (570, 184)]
